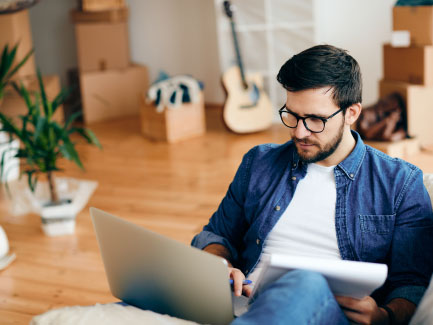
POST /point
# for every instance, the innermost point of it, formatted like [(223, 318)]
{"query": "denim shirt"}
[(383, 213)]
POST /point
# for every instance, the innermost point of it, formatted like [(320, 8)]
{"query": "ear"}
[(352, 113)]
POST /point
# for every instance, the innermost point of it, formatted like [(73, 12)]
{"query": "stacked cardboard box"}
[(409, 71), (110, 85), (15, 29)]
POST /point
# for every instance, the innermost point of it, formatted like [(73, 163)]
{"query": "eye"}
[(313, 119)]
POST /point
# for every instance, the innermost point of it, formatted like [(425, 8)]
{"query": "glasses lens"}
[(289, 119), (315, 124)]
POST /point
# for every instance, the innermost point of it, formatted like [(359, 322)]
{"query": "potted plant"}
[(43, 142), (9, 146)]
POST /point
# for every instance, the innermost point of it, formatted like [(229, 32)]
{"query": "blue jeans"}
[(298, 297)]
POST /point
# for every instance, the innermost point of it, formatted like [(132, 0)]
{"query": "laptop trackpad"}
[(240, 305)]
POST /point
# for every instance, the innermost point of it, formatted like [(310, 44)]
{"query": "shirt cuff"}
[(205, 238), (412, 293)]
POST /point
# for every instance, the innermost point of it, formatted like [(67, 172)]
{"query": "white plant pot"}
[(56, 219), (11, 168), (6, 258)]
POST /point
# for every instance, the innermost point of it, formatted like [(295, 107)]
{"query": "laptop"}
[(153, 272)]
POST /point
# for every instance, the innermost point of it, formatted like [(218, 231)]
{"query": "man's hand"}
[(238, 279), (235, 274), (362, 311)]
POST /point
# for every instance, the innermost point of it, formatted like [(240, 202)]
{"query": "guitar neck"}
[(238, 53)]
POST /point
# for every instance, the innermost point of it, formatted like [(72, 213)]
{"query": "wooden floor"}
[(171, 189)]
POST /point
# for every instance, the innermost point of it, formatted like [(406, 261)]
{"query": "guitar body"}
[(246, 110)]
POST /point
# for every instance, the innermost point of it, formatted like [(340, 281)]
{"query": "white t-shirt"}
[(307, 227)]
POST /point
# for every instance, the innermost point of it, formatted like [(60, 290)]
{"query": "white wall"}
[(53, 37), (361, 27), (180, 37)]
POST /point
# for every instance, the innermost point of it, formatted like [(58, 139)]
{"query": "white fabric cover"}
[(107, 314)]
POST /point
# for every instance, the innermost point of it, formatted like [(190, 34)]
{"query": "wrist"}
[(389, 313)]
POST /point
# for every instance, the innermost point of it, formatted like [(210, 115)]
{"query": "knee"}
[(308, 281)]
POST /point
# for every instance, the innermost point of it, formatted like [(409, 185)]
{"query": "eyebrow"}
[(306, 115)]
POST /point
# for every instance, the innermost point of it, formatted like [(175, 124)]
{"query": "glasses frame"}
[(284, 109)]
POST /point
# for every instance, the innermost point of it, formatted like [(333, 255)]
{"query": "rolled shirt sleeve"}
[(228, 224)]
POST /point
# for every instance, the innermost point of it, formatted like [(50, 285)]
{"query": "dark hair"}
[(322, 66)]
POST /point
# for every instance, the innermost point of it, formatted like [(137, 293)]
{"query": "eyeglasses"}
[(312, 123)]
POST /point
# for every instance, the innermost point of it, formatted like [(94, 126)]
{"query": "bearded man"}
[(324, 194)]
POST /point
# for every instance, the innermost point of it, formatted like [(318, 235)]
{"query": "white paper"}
[(345, 278)]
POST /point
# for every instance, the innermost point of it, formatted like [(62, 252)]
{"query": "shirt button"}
[(294, 178), (277, 208), (258, 241), (294, 165), (351, 175)]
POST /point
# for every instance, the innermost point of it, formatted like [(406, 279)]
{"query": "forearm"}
[(220, 250), (402, 309)]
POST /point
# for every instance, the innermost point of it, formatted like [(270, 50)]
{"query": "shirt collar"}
[(349, 166)]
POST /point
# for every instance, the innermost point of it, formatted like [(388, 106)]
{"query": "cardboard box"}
[(418, 20), (13, 104), (419, 106), (399, 149), (102, 46), (15, 28), (107, 16), (96, 5), (112, 93), (173, 124), (411, 64)]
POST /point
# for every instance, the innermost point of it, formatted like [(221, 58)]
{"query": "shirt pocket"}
[(376, 236)]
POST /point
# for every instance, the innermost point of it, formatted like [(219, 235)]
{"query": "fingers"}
[(238, 278), (360, 311), (247, 290), (354, 317)]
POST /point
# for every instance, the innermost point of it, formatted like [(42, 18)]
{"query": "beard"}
[(324, 151)]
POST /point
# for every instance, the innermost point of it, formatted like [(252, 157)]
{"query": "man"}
[(324, 194)]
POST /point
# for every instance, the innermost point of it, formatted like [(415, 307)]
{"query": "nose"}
[(301, 131)]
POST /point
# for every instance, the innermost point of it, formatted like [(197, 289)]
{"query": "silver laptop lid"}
[(153, 272)]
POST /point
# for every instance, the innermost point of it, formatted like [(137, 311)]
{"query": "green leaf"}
[(68, 151), (7, 63), (32, 181), (44, 98), (3, 160), (9, 126), (88, 135), (20, 64), (41, 122), (60, 98), (22, 91), (3, 69), (72, 118)]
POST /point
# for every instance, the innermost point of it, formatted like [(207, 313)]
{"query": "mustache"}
[(304, 141)]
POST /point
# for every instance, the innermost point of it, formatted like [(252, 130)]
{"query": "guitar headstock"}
[(228, 9)]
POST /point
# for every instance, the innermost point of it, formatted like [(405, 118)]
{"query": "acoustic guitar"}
[(247, 108)]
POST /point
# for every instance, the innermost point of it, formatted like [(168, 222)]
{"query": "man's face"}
[(315, 147)]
